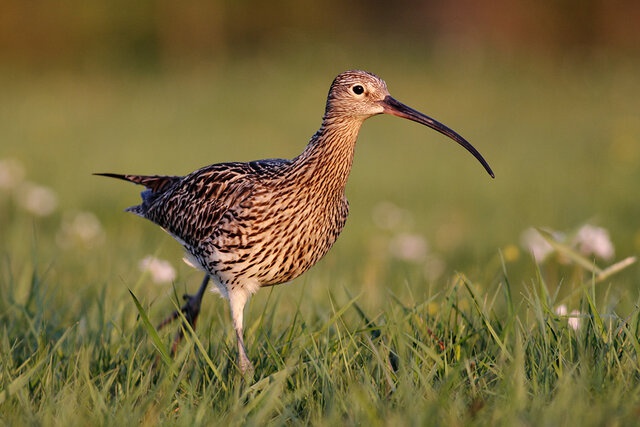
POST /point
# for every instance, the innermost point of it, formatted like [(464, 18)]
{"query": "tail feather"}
[(155, 183)]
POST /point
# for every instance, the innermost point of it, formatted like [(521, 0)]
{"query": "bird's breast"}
[(277, 236)]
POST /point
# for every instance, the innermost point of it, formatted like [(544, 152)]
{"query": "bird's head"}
[(359, 95), (356, 94)]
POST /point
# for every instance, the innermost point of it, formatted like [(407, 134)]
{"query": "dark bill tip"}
[(397, 108)]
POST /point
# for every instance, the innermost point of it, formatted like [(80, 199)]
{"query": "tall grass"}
[(428, 311), (479, 358)]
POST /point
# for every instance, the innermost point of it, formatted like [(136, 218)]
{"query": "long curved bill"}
[(397, 108)]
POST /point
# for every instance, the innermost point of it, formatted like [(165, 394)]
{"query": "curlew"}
[(263, 223)]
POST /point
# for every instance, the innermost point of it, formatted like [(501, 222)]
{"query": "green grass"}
[(365, 337), (466, 362)]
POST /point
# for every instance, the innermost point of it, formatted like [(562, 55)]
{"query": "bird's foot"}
[(190, 310), (246, 367)]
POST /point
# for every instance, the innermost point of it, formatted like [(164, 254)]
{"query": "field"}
[(430, 310)]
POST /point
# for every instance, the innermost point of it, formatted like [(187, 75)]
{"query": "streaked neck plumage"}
[(327, 159)]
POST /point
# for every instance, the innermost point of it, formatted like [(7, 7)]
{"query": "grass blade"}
[(151, 330)]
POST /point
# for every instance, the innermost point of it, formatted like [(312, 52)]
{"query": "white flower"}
[(409, 247), (592, 240), (11, 174), (574, 320), (80, 229), (536, 244), (561, 310), (161, 271), (36, 199)]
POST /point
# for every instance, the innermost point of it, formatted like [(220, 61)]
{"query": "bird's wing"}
[(192, 207)]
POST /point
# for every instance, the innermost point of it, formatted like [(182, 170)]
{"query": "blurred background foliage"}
[(548, 92), (165, 31)]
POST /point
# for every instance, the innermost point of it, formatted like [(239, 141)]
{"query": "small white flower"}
[(161, 271), (594, 241), (561, 310), (80, 229), (11, 174), (574, 320), (409, 247), (36, 199), (536, 244)]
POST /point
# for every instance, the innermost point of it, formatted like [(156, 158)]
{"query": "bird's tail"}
[(155, 184)]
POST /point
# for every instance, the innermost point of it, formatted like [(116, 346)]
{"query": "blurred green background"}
[(547, 91)]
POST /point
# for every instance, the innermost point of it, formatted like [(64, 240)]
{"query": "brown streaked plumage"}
[(262, 223)]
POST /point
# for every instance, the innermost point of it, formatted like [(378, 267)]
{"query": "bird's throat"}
[(327, 159)]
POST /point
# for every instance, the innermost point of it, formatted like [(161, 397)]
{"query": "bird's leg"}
[(246, 367), (190, 309), (237, 301)]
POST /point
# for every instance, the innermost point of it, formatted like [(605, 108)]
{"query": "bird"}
[(249, 225)]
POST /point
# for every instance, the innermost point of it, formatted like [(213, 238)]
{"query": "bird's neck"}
[(327, 159)]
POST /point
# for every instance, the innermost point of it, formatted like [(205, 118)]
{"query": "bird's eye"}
[(358, 89)]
